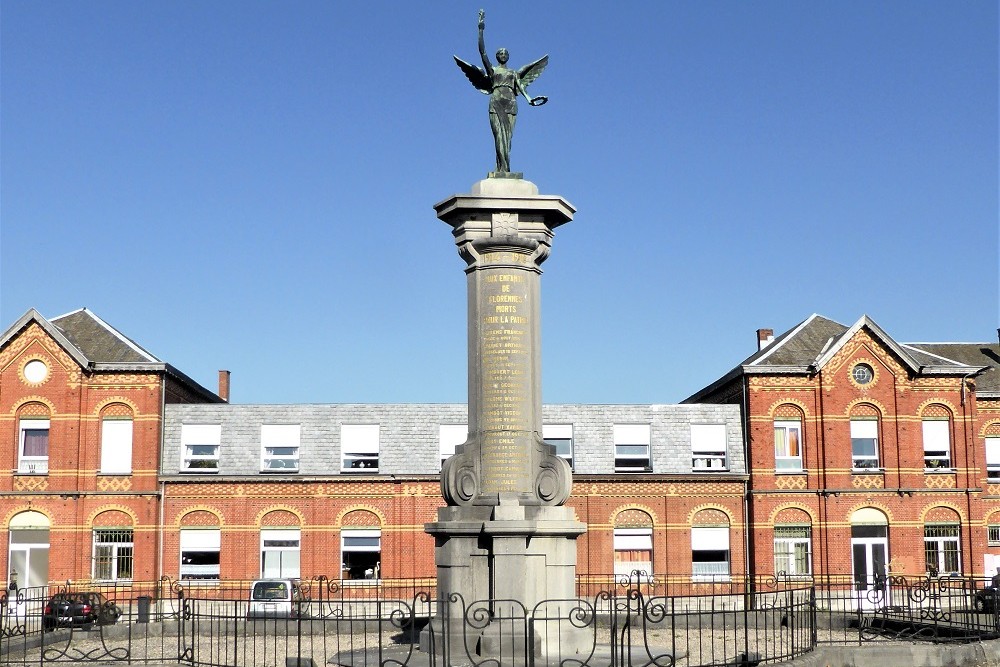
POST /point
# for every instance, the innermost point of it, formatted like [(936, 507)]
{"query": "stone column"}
[(504, 543)]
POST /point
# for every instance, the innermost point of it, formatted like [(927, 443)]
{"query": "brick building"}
[(81, 412), (868, 456), (345, 490), (832, 449)]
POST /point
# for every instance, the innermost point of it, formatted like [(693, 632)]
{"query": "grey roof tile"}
[(100, 342)]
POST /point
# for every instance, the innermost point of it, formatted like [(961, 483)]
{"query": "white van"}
[(274, 598)]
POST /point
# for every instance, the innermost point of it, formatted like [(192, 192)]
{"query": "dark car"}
[(79, 610), (985, 600)]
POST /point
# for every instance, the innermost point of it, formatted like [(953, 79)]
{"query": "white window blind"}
[(201, 434), (993, 451), (451, 436), (631, 434), (200, 540), (280, 435), (710, 539), (935, 435), (708, 437), (633, 539), (864, 428), (116, 446), (359, 438)]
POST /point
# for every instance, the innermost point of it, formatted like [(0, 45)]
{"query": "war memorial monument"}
[(505, 545)]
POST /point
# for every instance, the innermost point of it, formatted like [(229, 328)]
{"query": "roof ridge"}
[(72, 312), (935, 355)]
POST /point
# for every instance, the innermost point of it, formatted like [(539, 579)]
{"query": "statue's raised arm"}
[(503, 85)]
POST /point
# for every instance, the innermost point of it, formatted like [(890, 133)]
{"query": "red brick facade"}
[(912, 492), (64, 498)]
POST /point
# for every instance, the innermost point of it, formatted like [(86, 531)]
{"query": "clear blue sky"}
[(249, 185)]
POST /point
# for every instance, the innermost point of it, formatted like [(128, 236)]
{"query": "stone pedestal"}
[(504, 544)]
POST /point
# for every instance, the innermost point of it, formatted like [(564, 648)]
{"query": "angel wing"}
[(475, 75), (532, 71)]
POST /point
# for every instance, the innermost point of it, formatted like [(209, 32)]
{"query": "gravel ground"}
[(268, 644)]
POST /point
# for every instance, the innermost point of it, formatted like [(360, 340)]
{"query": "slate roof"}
[(96, 345), (972, 354), (807, 346), (800, 345), (98, 341)]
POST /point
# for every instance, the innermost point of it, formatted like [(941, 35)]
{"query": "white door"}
[(29, 557), (869, 556)]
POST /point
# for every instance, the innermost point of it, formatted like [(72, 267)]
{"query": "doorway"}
[(29, 549)]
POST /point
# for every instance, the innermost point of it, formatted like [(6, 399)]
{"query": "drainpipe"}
[(822, 464), (747, 542), (968, 423), (160, 510)]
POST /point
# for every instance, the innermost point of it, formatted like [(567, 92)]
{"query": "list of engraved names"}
[(505, 351)]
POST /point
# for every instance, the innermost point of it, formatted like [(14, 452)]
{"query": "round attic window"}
[(35, 371), (863, 374)]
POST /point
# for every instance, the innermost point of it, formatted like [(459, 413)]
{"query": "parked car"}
[(275, 598), (79, 610), (985, 600)]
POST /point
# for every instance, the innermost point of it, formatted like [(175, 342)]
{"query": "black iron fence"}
[(612, 621)]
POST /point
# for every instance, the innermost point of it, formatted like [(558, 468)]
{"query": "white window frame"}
[(710, 538), (208, 436), (120, 551), (451, 436), (992, 444), (359, 448), (200, 540), (785, 547), (291, 570), (993, 535), (33, 465), (632, 450), (627, 540), (365, 534), (116, 445), (865, 429), (560, 435), (940, 544), (937, 443), (786, 462), (709, 448), (285, 437)]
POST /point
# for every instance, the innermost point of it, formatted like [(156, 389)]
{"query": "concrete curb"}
[(982, 654)]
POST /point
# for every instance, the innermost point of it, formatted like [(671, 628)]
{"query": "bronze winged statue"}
[(503, 85)]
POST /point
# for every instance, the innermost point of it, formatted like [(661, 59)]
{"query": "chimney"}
[(764, 338), (224, 385)]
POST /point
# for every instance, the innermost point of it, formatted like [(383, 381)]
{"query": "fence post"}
[(813, 617)]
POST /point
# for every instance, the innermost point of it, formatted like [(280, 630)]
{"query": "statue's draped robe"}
[(503, 113)]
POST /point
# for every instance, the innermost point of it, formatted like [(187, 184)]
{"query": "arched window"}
[(280, 546), (33, 439), (788, 439), (200, 546), (633, 543), (710, 545), (942, 543), (936, 422), (361, 545), (113, 546), (864, 438), (793, 543), (992, 442), (116, 440)]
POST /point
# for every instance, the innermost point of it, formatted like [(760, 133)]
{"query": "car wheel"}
[(980, 605)]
